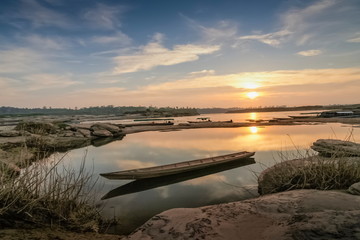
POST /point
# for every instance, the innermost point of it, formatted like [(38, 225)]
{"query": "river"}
[(271, 144)]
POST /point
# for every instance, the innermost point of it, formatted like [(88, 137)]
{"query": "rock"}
[(85, 132), (75, 127), (102, 133), (62, 144), (68, 134), (9, 133), (110, 127), (337, 148), (355, 189), (59, 143), (299, 214)]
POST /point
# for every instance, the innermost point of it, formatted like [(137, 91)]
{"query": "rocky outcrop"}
[(334, 147), (299, 214), (9, 133), (36, 140)]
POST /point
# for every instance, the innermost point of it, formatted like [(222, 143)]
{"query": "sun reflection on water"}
[(253, 116), (253, 129)]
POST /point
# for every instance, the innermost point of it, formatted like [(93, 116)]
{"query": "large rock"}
[(106, 126), (300, 215), (355, 189), (85, 132), (337, 148), (102, 133)]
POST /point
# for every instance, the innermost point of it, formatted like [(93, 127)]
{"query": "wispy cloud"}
[(46, 42), (355, 39), (322, 22), (314, 23), (203, 72), (20, 60), (272, 39), (40, 16), (104, 16), (36, 82), (119, 38), (155, 54), (310, 53)]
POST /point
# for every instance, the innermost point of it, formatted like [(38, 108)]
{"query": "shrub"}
[(314, 172)]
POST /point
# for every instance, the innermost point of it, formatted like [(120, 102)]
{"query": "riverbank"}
[(165, 128)]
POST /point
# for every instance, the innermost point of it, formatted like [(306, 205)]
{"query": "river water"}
[(271, 144)]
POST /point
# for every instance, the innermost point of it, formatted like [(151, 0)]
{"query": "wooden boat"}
[(300, 117), (176, 168), (153, 119), (149, 183), (228, 121), (199, 121)]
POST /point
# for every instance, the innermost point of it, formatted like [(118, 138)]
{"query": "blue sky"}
[(179, 53)]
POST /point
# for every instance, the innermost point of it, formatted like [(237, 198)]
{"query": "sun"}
[(252, 95)]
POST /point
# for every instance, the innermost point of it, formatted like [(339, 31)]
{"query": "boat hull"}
[(176, 168)]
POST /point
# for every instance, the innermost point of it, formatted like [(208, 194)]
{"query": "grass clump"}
[(313, 172), (43, 195)]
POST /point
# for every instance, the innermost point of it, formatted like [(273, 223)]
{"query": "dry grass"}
[(312, 172), (45, 193)]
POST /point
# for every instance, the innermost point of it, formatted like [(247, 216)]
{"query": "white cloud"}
[(154, 54), (119, 38), (272, 39), (310, 53), (203, 72), (104, 16)]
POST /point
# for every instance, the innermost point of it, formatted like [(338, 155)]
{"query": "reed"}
[(46, 194)]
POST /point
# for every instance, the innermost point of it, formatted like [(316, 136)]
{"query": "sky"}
[(189, 53)]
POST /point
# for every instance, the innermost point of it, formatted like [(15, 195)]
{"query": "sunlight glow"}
[(251, 85), (253, 129), (252, 95)]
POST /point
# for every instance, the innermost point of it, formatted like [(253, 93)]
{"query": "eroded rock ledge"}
[(298, 214)]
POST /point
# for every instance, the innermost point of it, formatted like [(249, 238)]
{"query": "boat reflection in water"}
[(149, 183)]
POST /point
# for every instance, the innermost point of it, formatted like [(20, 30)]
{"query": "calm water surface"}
[(157, 148)]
